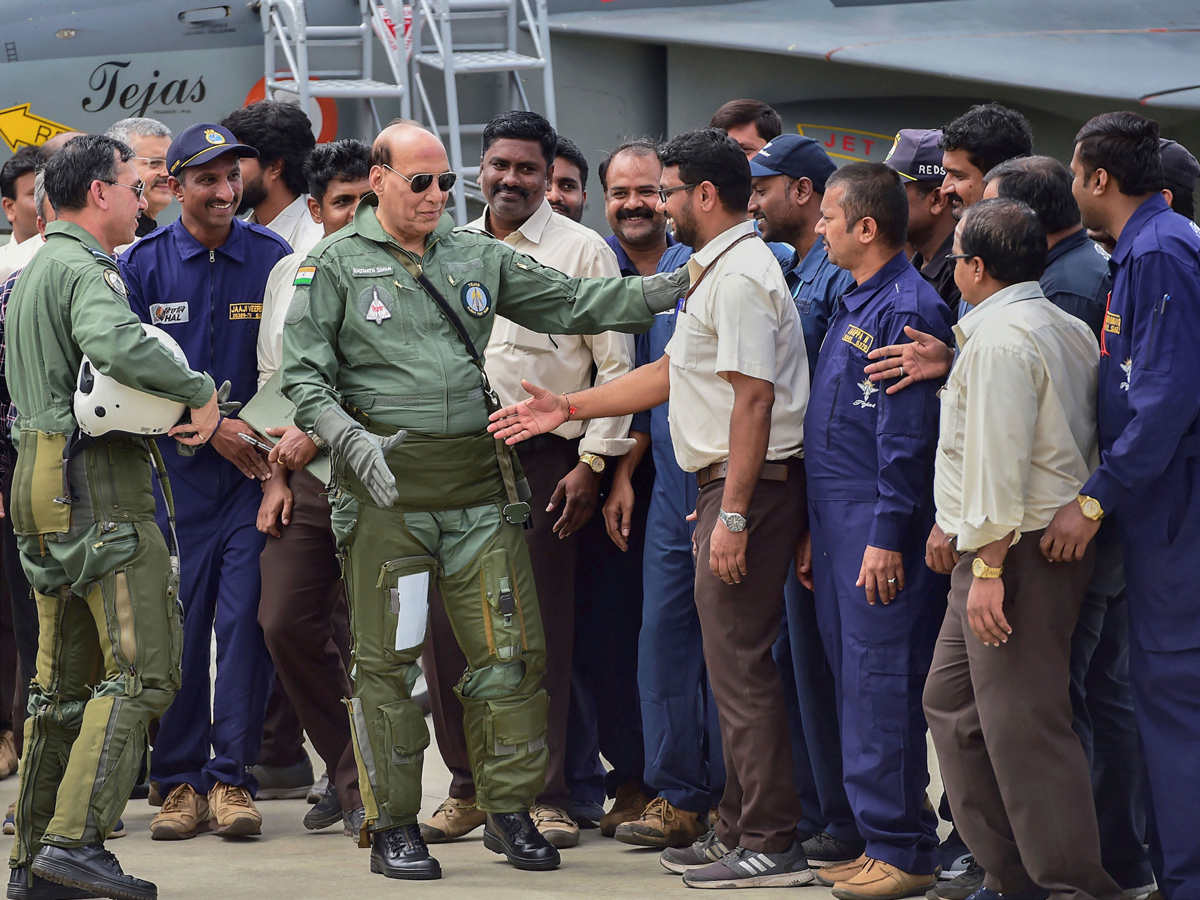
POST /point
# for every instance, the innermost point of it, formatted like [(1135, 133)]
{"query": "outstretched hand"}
[(924, 358), (540, 414)]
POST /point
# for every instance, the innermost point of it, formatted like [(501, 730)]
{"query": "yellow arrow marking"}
[(19, 127)]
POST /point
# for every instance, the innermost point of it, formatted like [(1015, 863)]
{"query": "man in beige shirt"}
[(1018, 440), (736, 374), (563, 468)]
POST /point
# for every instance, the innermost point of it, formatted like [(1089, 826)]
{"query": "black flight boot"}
[(400, 852), (90, 868), (515, 835), (19, 888)]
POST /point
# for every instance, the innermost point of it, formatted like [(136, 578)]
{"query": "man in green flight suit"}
[(83, 511), (370, 356)]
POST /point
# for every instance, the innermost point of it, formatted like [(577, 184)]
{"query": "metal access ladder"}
[(498, 23), (285, 28)]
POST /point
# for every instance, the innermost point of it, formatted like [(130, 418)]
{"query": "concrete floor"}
[(289, 862)]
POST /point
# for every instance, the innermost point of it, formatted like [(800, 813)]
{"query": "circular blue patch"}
[(476, 300)]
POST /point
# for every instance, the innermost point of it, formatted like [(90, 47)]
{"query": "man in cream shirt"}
[(1018, 440), (563, 468), (736, 374)]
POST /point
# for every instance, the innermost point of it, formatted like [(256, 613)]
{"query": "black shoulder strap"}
[(461, 331), (451, 316)]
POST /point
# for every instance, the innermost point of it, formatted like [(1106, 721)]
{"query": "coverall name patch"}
[(238, 311), (370, 271), (858, 338), (1112, 323)]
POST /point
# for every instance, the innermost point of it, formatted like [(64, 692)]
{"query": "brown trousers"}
[(306, 625), (1014, 770), (553, 561), (739, 623)]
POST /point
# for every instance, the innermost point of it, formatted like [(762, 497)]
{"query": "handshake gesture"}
[(540, 414)]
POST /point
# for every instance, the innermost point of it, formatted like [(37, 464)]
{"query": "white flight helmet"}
[(103, 405)]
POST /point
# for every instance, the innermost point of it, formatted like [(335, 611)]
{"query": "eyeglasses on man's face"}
[(138, 189), (156, 163), (664, 194), (420, 183)]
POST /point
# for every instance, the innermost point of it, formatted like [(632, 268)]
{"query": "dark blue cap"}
[(1179, 166), (197, 144), (916, 156), (796, 157)]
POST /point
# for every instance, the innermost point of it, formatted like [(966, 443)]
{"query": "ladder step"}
[(475, 6), (341, 87), (484, 61)]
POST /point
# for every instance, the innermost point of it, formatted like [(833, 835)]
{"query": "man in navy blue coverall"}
[(869, 462), (201, 279), (1149, 474)]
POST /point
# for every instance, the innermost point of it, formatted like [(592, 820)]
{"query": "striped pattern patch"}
[(756, 864), (304, 276)]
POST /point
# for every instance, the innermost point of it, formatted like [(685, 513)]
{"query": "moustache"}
[(635, 214), (510, 189)]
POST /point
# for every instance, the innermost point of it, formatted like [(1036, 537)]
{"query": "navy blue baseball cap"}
[(916, 156), (796, 157), (197, 144), (1179, 166)]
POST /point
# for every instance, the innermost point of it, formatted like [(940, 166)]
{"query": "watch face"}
[(1091, 507)]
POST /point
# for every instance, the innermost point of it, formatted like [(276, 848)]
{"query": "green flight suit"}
[(109, 631), (362, 332)]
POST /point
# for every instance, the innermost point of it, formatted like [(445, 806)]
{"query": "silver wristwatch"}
[(733, 522)]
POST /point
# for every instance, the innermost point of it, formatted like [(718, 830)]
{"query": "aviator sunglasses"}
[(420, 183)]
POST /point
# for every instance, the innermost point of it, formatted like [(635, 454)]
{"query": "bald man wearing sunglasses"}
[(382, 356)]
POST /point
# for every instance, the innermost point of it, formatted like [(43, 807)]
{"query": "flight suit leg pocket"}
[(406, 737), (514, 755), (404, 584), (886, 683), (503, 621), (41, 503)]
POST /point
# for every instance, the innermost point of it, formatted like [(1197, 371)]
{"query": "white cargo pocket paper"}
[(410, 600)]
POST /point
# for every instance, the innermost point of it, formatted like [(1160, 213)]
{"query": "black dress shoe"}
[(515, 835), (401, 853), (91, 868), (19, 888)]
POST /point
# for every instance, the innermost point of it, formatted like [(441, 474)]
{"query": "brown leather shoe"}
[(631, 801), (831, 875), (882, 881), (662, 825), (556, 825), (184, 814), (453, 819), (233, 811), (8, 754)]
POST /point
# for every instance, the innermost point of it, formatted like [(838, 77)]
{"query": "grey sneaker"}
[(823, 849), (744, 868), (699, 853), (283, 782), (960, 887)]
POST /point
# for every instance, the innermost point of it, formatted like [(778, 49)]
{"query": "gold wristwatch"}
[(980, 569), (592, 461), (1090, 507)]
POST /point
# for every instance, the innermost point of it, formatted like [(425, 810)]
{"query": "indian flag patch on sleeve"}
[(304, 276)]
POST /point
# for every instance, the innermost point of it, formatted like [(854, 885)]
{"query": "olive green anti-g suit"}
[(361, 332), (109, 633)]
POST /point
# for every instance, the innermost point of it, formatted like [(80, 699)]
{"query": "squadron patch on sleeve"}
[(475, 299), (113, 279)]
